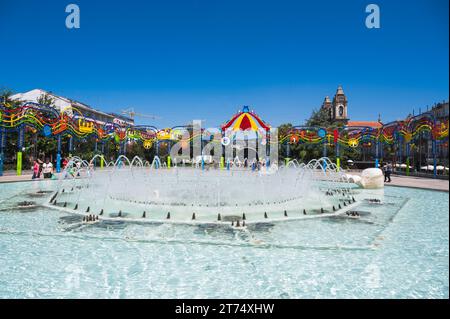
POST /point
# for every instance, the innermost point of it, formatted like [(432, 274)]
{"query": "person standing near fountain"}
[(47, 168), (65, 162), (387, 172), (36, 169)]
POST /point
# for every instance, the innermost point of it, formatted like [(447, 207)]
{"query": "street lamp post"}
[(20, 142), (58, 155), (2, 146)]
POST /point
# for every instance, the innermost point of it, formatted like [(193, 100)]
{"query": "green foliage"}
[(319, 118), (5, 98), (46, 147), (46, 99)]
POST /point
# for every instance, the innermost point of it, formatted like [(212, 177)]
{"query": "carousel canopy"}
[(245, 121)]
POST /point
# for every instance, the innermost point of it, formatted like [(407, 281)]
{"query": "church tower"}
[(339, 106), (328, 107)]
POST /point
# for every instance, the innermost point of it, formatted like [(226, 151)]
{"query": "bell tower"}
[(328, 107), (339, 106)]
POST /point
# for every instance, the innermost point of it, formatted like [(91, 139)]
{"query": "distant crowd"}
[(46, 169)]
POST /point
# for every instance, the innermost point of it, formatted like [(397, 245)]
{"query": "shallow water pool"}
[(397, 249)]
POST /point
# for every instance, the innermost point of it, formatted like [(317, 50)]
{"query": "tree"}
[(46, 99), (319, 118), (5, 98), (46, 147)]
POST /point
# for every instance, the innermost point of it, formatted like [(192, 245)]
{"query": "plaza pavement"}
[(419, 182), (10, 176), (397, 180)]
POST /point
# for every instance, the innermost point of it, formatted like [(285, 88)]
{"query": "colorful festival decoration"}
[(353, 142), (245, 121), (225, 141), (147, 144), (164, 134), (47, 130), (85, 126), (52, 123), (321, 132)]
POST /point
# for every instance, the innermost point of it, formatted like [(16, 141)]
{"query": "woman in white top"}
[(47, 169)]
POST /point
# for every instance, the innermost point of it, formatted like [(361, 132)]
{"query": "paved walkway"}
[(415, 182), (397, 180), (419, 182), (10, 176)]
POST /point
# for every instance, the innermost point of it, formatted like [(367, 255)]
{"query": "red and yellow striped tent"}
[(245, 121)]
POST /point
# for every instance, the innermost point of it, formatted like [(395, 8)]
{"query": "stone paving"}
[(419, 182), (10, 176)]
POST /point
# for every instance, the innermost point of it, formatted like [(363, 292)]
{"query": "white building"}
[(73, 108)]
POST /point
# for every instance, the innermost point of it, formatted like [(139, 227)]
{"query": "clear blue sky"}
[(203, 59)]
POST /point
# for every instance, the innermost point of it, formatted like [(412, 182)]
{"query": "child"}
[(36, 169)]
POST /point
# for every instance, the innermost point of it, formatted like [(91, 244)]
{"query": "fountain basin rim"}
[(199, 222)]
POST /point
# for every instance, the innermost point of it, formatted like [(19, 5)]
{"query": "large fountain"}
[(139, 191)]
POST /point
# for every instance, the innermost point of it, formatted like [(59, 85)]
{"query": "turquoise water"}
[(396, 250)]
